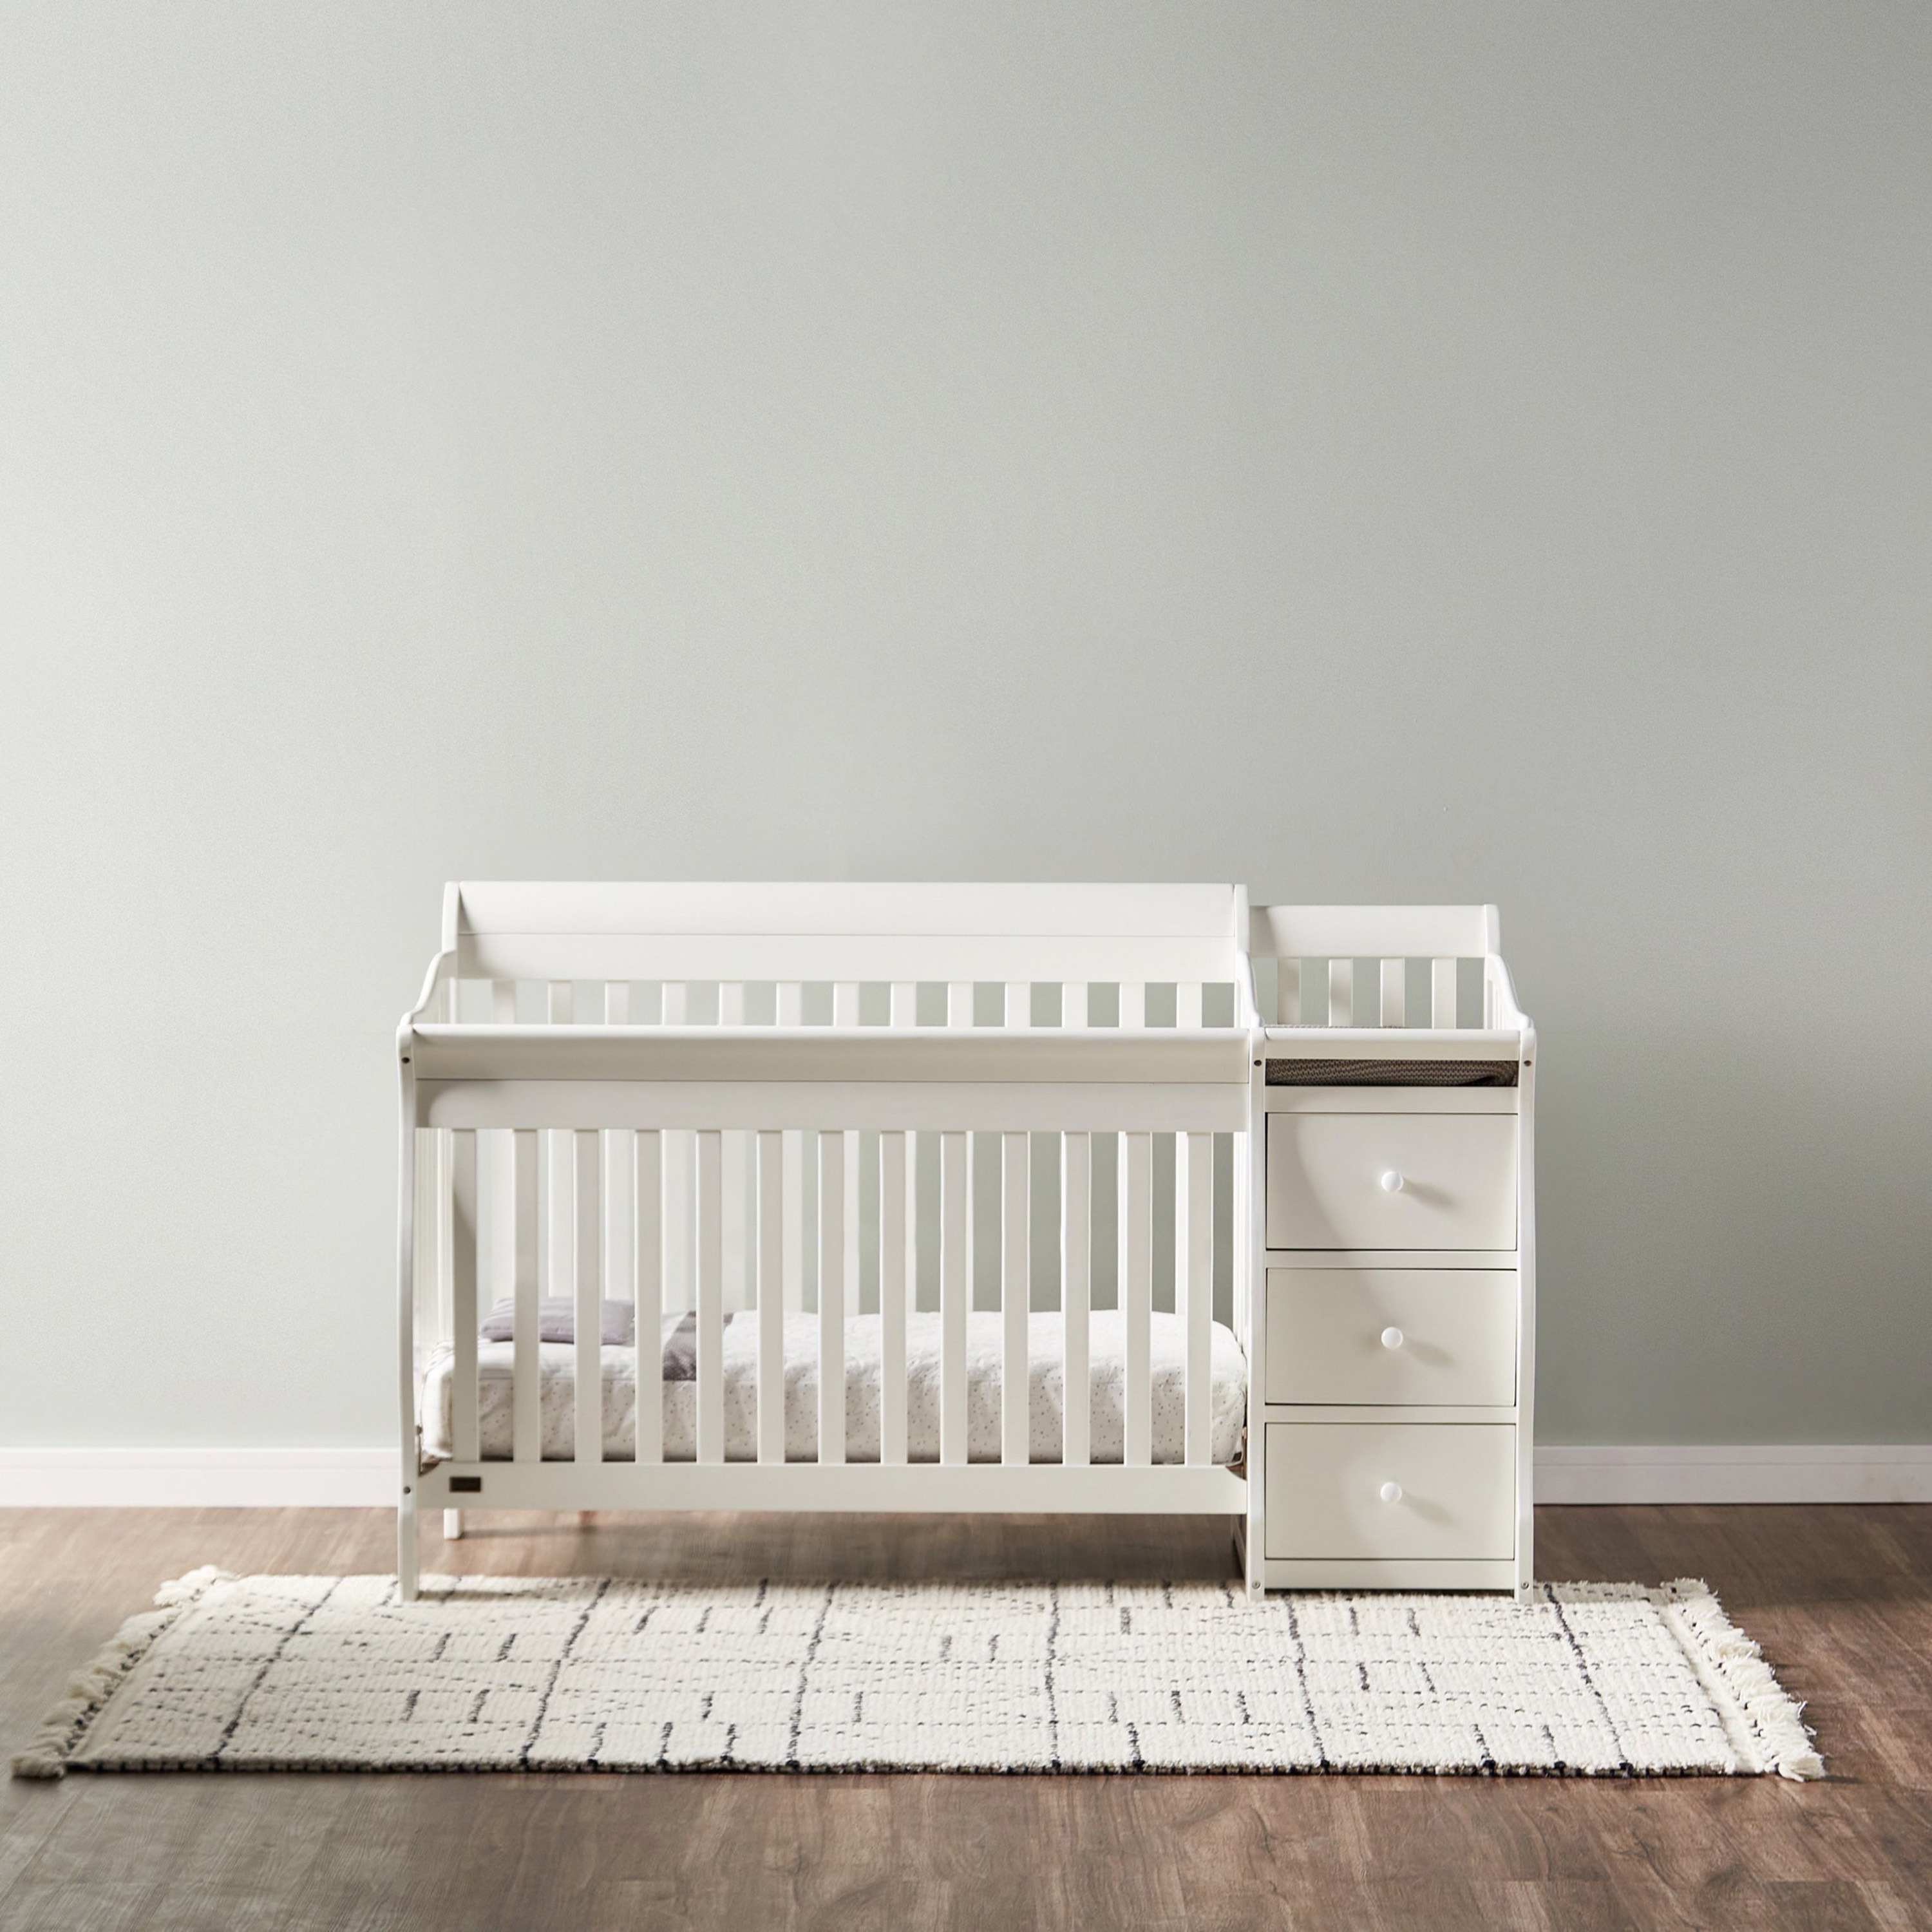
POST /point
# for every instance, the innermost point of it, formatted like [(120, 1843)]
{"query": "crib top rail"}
[(1386, 982)]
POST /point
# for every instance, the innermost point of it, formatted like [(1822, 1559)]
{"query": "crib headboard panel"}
[(727, 936)]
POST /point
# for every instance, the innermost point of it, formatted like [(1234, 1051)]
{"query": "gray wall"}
[(1405, 452)]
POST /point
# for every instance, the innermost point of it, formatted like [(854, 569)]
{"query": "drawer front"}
[(1453, 1489), (1391, 1180), (1392, 1335)]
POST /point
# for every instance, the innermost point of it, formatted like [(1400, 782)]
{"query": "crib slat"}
[(588, 1264), (734, 1161), (555, 1148), (794, 1220), (1194, 1281), (894, 1189), (462, 1432), (526, 1422), (1015, 1297), (496, 1183), (498, 1154), (771, 1297), (904, 1009), (1341, 992), (1076, 1291), (430, 1221), (912, 1222), (1133, 1002), (710, 1298), (1395, 991), (1442, 992), (679, 1155), (845, 1003), (959, 1002), (679, 1281), (1288, 992), (647, 1291), (831, 1297), (1187, 1003), (614, 1171), (1073, 1002), (1018, 1011), (852, 1229), (442, 1178), (1137, 1267), (956, 1290), (614, 1166)]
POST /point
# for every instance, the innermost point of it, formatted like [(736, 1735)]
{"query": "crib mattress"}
[(1227, 1401)]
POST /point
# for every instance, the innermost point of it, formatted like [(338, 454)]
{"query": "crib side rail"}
[(535, 1210)]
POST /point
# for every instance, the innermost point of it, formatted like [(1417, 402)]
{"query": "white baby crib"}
[(885, 1153)]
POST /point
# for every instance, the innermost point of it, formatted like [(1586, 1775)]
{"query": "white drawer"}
[(1391, 1490), (1391, 1180), (1392, 1335)]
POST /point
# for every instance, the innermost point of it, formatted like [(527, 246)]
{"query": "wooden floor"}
[(1841, 1598)]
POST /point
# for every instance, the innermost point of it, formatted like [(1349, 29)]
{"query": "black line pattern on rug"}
[(556, 1671), (1590, 1683), (1301, 1678), (275, 1657), (1052, 1702), (804, 1672)]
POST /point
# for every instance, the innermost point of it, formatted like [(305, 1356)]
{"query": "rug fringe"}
[(1763, 1721), (89, 1688)]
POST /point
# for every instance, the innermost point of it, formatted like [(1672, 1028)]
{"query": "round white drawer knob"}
[(1392, 1338), (1391, 1182), (1391, 1492)]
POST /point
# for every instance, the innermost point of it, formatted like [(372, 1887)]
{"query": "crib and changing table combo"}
[(765, 1197)]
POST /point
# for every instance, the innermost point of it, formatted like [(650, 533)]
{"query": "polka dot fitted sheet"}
[(1229, 1377)]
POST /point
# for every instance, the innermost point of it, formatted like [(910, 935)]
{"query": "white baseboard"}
[(197, 1478), (1804, 1472), (366, 1478)]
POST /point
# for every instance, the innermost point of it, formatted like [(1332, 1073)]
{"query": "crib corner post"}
[(1253, 1544), (452, 1525), (407, 1567), (1251, 1293)]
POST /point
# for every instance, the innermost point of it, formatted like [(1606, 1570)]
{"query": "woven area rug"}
[(257, 1673)]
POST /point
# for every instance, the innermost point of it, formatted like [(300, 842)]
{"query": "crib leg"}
[(406, 1548), (1248, 1556), (452, 1525)]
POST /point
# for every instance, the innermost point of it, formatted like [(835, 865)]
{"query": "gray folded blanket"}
[(556, 1321)]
